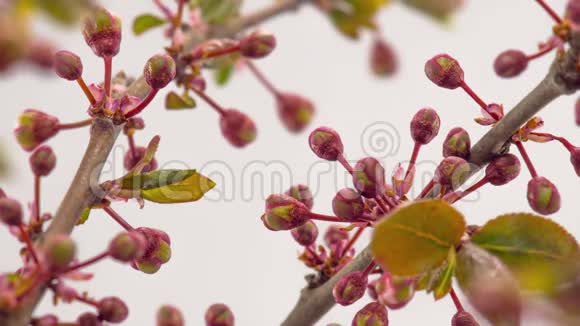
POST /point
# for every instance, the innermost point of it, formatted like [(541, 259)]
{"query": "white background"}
[(221, 251)]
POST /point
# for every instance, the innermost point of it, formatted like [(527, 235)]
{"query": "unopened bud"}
[(60, 251), (305, 234), (102, 32), (457, 143), (425, 126), (348, 204), (335, 234), (452, 172), (383, 58), (303, 194), (127, 246), (89, 319), (10, 211), (34, 128), (394, 292), (239, 129), (257, 45), (113, 310), (42, 161), (284, 213), (295, 111), (503, 169), (369, 177), (573, 11), (169, 316), (46, 320), (159, 71), (350, 288), (219, 315), (510, 63), (68, 65), (543, 196), (575, 159), (373, 314), (326, 143), (157, 251), (444, 71), (463, 318)]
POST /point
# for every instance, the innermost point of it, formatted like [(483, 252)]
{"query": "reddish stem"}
[(473, 95), (262, 78), (414, 156), (353, 240), (313, 253), (178, 17), (118, 218), (562, 140), (526, 158), (369, 268), (36, 215), (382, 204), (29, 245), (550, 11), (342, 160), (427, 189), (84, 264), (87, 91), (132, 147), (220, 52), (164, 9), (456, 301), (75, 125), (141, 106), (209, 101), (88, 301), (545, 50), (471, 189), (108, 74), (321, 217)]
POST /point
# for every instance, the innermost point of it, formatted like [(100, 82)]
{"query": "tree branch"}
[(563, 78)]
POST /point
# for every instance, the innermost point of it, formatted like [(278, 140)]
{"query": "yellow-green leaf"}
[(63, 11), (442, 280), (224, 72), (439, 10), (539, 252), (174, 101), (218, 11), (84, 216), (145, 22), (416, 238)]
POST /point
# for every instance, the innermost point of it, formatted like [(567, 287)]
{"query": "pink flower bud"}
[(34, 128), (452, 172), (41, 53), (326, 143), (503, 169), (159, 71), (543, 196), (463, 318), (457, 143), (130, 161), (369, 177), (394, 292), (60, 251), (373, 314), (134, 123), (127, 246), (335, 234), (425, 126), (573, 11), (444, 71), (219, 315), (157, 251), (510, 63), (575, 159), (295, 111), (42, 161), (303, 194), (102, 32), (68, 65), (350, 288), (257, 45), (239, 129), (284, 213), (89, 319), (305, 234), (384, 62), (113, 310), (46, 320), (10, 211), (169, 316), (348, 204)]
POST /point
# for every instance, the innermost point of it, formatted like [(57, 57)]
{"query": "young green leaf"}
[(218, 12), (417, 238), (84, 216), (174, 101), (223, 72), (441, 281), (539, 252), (145, 22)]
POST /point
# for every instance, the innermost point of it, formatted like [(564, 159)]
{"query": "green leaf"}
[(174, 101), (145, 22), (440, 10), (218, 11), (84, 216), (539, 252), (169, 186), (441, 281), (224, 72), (416, 238), (352, 16), (66, 12)]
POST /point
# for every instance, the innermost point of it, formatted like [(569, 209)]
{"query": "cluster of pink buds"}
[(542, 194)]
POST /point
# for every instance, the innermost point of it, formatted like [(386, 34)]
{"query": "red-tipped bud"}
[(284, 213), (42, 161), (257, 45), (159, 71), (303, 194), (373, 314), (295, 111), (503, 169), (543, 196), (130, 161), (127, 246), (239, 129), (457, 143), (68, 65), (369, 177), (575, 159), (219, 315), (383, 60), (510, 63), (425, 126), (34, 128), (169, 316), (335, 234), (348, 204), (452, 172), (350, 288), (60, 251), (10, 211), (89, 319), (463, 318), (113, 310), (326, 143), (157, 251), (305, 234), (46, 320), (102, 32), (444, 71), (394, 292)]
